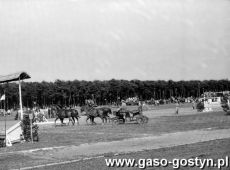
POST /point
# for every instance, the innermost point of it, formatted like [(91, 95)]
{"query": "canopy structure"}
[(16, 77)]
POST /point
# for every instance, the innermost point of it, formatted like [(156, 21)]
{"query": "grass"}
[(76, 135), (164, 122), (216, 149)]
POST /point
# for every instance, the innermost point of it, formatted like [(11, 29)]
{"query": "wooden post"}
[(20, 98)]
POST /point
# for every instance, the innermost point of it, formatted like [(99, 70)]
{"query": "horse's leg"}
[(55, 121), (109, 118), (69, 120), (87, 120), (77, 120), (73, 120), (91, 120), (93, 123), (103, 121), (62, 123), (123, 119)]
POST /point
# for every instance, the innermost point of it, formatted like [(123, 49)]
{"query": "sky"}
[(121, 39)]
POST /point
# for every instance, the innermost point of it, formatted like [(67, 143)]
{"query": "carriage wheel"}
[(140, 120), (115, 121)]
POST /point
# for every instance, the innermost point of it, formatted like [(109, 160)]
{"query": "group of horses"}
[(89, 111)]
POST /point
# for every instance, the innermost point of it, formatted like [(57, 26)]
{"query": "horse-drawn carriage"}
[(127, 116), (104, 113)]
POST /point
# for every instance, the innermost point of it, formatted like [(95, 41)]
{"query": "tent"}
[(13, 134), (19, 76)]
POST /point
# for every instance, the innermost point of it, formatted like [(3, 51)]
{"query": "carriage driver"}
[(140, 107), (90, 103)]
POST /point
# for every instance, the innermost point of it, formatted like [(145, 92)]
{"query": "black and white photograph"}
[(114, 84)]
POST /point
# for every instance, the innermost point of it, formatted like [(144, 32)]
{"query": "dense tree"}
[(104, 92)]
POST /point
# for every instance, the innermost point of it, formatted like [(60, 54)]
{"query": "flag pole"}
[(20, 98), (5, 114)]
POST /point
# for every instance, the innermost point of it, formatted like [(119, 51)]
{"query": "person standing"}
[(177, 107), (193, 104)]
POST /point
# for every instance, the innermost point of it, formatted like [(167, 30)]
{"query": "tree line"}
[(105, 92)]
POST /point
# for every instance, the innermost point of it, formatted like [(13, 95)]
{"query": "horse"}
[(90, 112), (93, 112), (72, 114), (106, 111)]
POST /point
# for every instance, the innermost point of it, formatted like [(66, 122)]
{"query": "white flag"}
[(3, 97)]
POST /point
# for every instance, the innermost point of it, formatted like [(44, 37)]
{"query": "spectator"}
[(193, 104), (177, 107)]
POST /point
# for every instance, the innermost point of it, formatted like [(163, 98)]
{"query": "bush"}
[(2, 143), (26, 129), (16, 116), (200, 106)]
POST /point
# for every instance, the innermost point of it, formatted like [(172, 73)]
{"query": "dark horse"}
[(62, 113), (105, 112), (93, 112)]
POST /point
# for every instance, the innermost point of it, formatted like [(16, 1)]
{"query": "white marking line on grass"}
[(59, 163), (34, 150), (68, 162)]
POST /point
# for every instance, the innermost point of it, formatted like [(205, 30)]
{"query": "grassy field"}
[(76, 135), (216, 149), (162, 120)]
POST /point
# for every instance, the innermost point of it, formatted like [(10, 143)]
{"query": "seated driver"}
[(123, 106)]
